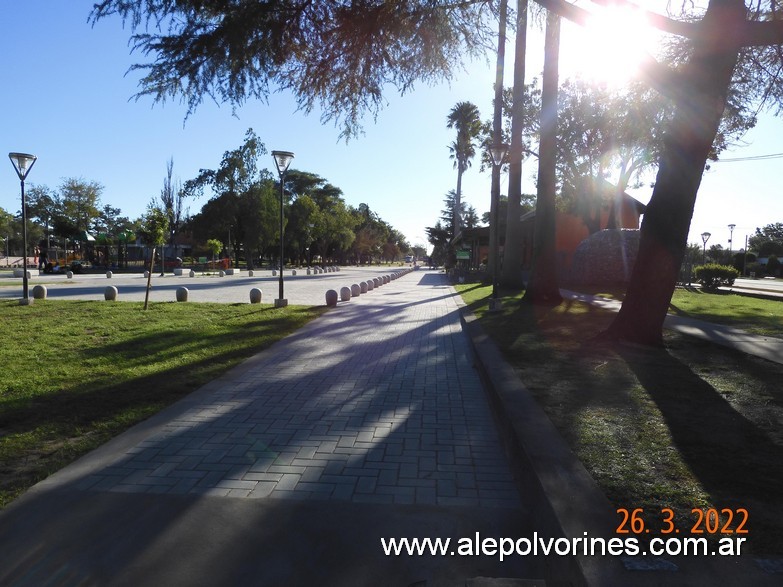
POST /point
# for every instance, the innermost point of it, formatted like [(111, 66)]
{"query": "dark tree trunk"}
[(543, 286), (457, 216), (701, 96), (512, 256), (493, 262)]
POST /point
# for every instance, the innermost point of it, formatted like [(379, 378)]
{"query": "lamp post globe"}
[(23, 163), (731, 237), (282, 161), (705, 236)]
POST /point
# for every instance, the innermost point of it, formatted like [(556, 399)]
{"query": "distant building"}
[(570, 230)]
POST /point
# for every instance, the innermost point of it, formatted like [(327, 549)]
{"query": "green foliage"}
[(245, 202), (375, 239), (712, 276), (466, 120), (95, 369), (339, 57), (643, 422), (214, 246), (78, 204), (773, 265), (154, 226), (768, 240)]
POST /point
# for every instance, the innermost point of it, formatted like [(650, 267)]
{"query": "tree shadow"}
[(736, 461), (395, 419)]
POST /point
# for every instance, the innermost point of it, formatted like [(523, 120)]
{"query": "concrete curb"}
[(571, 504), (549, 473)]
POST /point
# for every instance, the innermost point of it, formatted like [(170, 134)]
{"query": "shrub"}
[(712, 275), (755, 269), (773, 265)]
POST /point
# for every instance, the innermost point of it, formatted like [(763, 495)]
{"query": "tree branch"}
[(746, 33)]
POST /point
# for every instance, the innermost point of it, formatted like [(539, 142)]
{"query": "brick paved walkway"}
[(375, 402)]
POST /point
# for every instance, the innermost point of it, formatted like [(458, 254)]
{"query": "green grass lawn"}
[(76, 373), (759, 316), (692, 425)]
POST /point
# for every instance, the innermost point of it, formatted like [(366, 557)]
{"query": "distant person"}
[(43, 259)]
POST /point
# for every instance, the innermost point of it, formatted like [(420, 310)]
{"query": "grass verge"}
[(78, 373), (689, 426), (756, 315)]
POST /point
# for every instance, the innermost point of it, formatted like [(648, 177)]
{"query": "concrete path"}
[(368, 423), (766, 347)]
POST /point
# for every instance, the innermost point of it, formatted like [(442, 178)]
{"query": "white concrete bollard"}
[(108, 275), (192, 273), (345, 294), (370, 285), (363, 286), (250, 273), (255, 296), (39, 292), (69, 274), (110, 293), (331, 298), (182, 294), (356, 290)]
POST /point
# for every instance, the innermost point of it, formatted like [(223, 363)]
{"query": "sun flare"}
[(610, 48)]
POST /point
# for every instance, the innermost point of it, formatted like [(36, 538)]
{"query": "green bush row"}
[(712, 276)]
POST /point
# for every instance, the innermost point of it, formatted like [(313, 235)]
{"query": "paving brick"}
[(401, 418)]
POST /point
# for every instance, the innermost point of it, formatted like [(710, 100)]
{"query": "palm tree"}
[(511, 275), (465, 118), (543, 286)]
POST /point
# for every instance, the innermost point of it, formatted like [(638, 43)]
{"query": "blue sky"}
[(67, 99)]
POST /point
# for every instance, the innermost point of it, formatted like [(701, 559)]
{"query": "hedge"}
[(712, 276)]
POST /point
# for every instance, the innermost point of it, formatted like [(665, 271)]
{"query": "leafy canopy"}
[(337, 55)]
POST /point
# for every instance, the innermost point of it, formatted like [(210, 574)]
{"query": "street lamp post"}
[(23, 163), (731, 238), (282, 161), (498, 153), (705, 236)]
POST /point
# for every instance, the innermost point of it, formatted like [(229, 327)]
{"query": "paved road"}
[(300, 289), (763, 286), (369, 422)]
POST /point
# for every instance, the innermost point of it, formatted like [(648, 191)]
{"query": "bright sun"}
[(610, 48)]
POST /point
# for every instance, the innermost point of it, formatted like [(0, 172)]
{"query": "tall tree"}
[(768, 240), (80, 202), (543, 285), (153, 230), (171, 198), (511, 275), (439, 237), (465, 118), (497, 133), (302, 216), (335, 55), (232, 182), (259, 208), (700, 90), (705, 79)]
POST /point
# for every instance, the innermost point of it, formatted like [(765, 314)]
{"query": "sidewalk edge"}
[(548, 470)]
